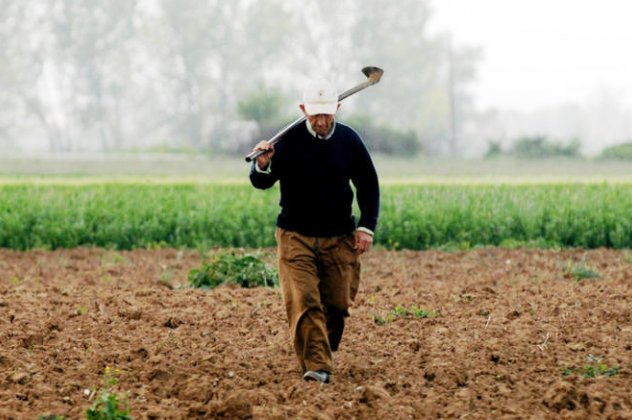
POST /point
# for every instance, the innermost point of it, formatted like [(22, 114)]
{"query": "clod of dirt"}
[(488, 290), (130, 314), (445, 375), (577, 347), (198, 388), (513, 314), (173, 323), (599, 401), (32, 340), (140, 353), (158, 375), (370, 394), (53, 326), (564, 396), (195, 411), (415, 345), (244, 405), (165, 284), (235, 407), (21, 378)]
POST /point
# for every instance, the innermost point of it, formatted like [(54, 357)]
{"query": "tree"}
[(621, 151), (22, 65), (264, 107), (93, 64), (461, 70)]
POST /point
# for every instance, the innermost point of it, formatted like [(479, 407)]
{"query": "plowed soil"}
[(513, 335)]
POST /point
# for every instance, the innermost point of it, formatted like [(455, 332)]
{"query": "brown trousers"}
[(319, 278)]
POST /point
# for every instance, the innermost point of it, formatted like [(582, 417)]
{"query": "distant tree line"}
[(619, 152), (216, 75), (540, 147)]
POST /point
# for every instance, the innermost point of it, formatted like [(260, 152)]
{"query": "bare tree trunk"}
[(56, 138), (453, 139)]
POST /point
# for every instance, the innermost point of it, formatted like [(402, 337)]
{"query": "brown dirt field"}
[(509, 323)]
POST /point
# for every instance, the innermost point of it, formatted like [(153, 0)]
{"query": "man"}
[(318, 241)]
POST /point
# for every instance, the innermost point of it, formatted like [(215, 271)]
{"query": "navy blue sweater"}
[(314, 174)]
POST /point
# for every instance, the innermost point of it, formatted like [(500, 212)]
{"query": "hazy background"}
[(556, 68), (462, 78)]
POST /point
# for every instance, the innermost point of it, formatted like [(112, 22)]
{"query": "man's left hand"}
[(363, 242)]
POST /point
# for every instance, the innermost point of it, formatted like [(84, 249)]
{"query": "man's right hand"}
[(264, 160)]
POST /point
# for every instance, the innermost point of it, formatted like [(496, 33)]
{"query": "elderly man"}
[(319, 243)]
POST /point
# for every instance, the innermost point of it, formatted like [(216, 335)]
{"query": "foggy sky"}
[(541, 53)]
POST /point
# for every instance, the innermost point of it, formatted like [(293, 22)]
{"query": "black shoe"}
[(321, 376)]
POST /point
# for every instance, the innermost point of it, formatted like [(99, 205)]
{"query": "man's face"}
[(321, 123)]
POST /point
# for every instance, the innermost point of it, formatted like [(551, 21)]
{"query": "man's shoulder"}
[(349, 135), (299, 129), (293, 134), (345, 130)]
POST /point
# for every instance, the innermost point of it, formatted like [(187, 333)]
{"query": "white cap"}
[(320, 97)]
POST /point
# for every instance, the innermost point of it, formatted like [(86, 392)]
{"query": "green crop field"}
[(131, 214)]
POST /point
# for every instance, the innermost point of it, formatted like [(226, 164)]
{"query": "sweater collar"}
[(313, 133)]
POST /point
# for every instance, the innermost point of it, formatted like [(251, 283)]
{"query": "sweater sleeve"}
[(262, 179), (367, 187)]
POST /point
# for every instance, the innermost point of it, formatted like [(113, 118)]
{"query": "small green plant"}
[(594, 369), (380, 319), (580, 271), (419, 313), (166, 276), (402, 312), (113, 258), (224, 268), (107, 406), (413, 311)]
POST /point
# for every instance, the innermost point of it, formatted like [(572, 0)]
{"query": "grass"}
[(206, 215)]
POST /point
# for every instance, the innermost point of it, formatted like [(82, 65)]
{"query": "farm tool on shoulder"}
[(373, 74)]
